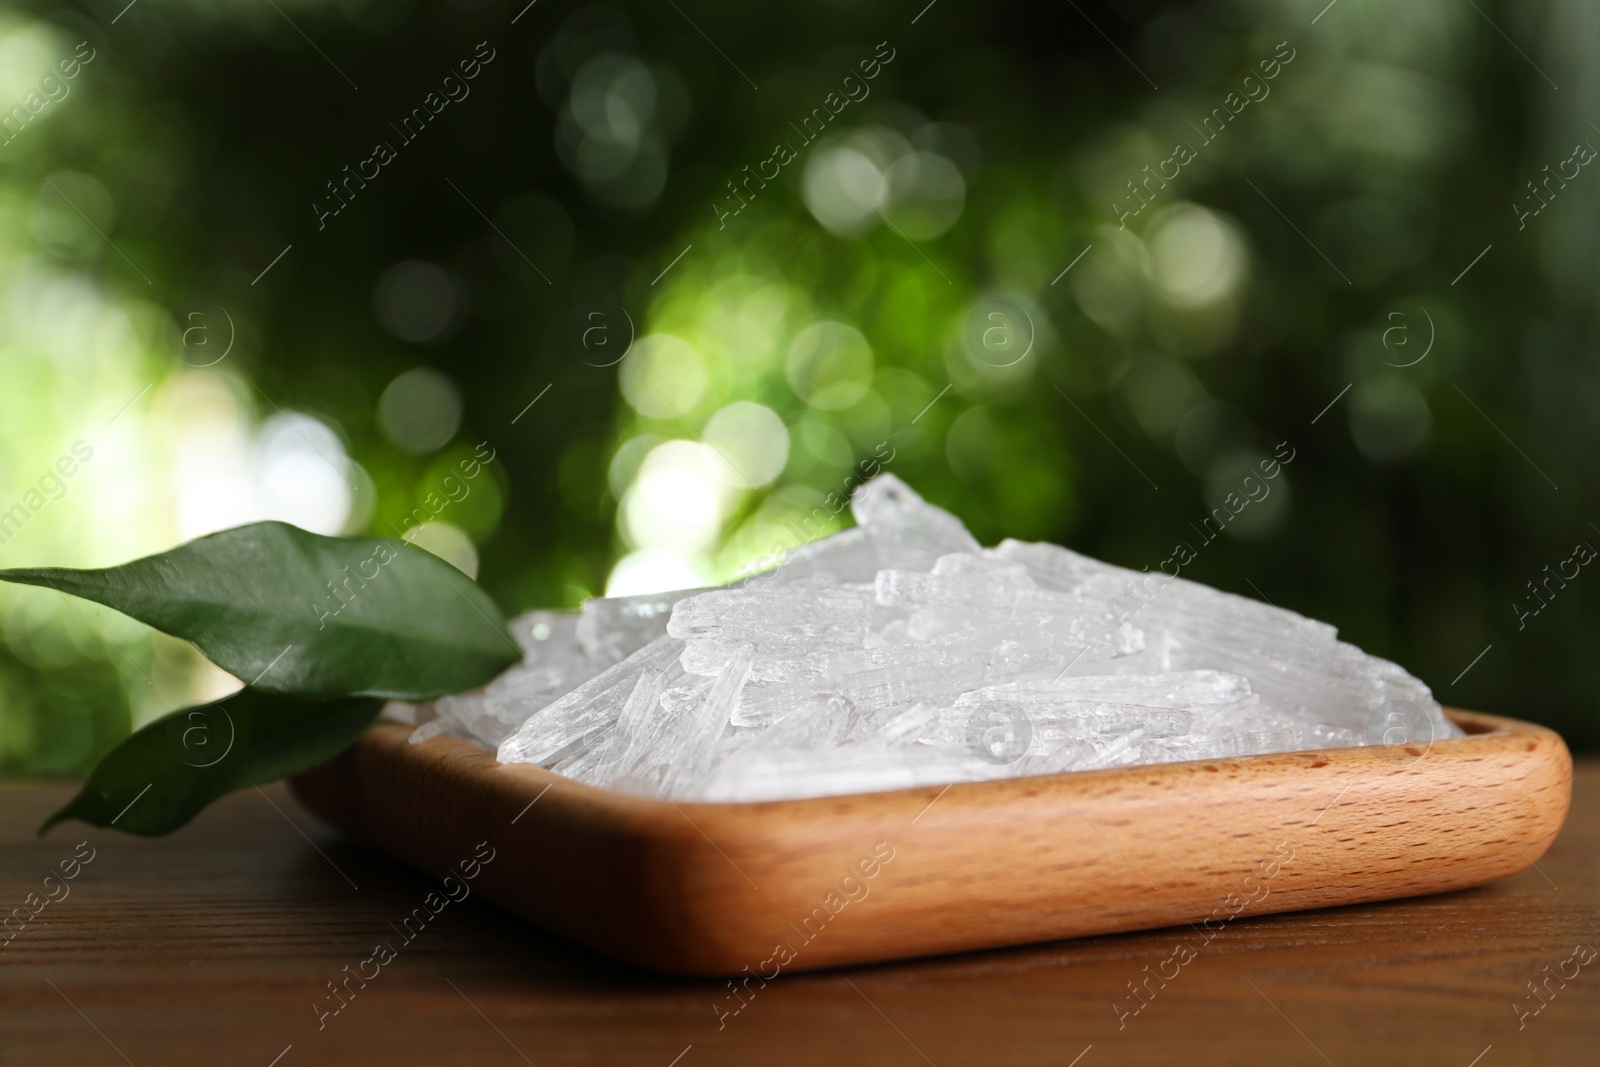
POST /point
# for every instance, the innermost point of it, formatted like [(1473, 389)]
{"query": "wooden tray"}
[(712, 889)]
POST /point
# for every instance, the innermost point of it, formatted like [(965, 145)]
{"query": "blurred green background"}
[(980, 260)]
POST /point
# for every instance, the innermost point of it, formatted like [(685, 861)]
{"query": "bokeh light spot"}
[(449, 542), (420, 411), (416, 301), (752, 442), (1389, 419), (664, 377), (844, 187), (656, 570), (678, 499), (303, 473), (1197, 256), (928, 193), (829, 365)]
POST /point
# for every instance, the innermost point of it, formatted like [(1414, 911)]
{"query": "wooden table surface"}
[(214, 945)]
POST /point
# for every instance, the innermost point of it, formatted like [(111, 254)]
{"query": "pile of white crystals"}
[(902, 653)]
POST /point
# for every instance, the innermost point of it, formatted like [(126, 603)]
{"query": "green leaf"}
[(166, 772), (294, 612)]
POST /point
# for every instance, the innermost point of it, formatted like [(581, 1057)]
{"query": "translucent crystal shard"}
[(794, 773), (611, 628), (553, 664), (902, 653), (991, 586), (696, 746), (905, 527), (824, 720), (610, 745), (1296, 665), (850, 555), (639, 764), (782, 624), (896, 528), (567, 725), (910, 724)]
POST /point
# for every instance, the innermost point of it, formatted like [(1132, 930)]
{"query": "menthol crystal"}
[(902, 653)]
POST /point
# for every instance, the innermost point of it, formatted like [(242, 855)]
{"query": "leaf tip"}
[(61, 816)]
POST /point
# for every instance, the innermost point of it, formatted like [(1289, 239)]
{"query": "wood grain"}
[(706, 889), (211, 946)]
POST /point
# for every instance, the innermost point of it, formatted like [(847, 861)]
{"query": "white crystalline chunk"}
[(612, 745), (896, 528), (1196, 691), (794, 773), (692, 752), (782, 624), (900, 653), (1054, 567), (636, 759), (1159, 705), (824, 720), (831, 616), (611, 628), (848, 556), (910, 724), (1295, 664), (991, 586), (553, 664), (904, 524), (571, 723)]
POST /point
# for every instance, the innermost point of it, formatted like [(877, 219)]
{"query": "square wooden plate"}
[(756, 888)]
